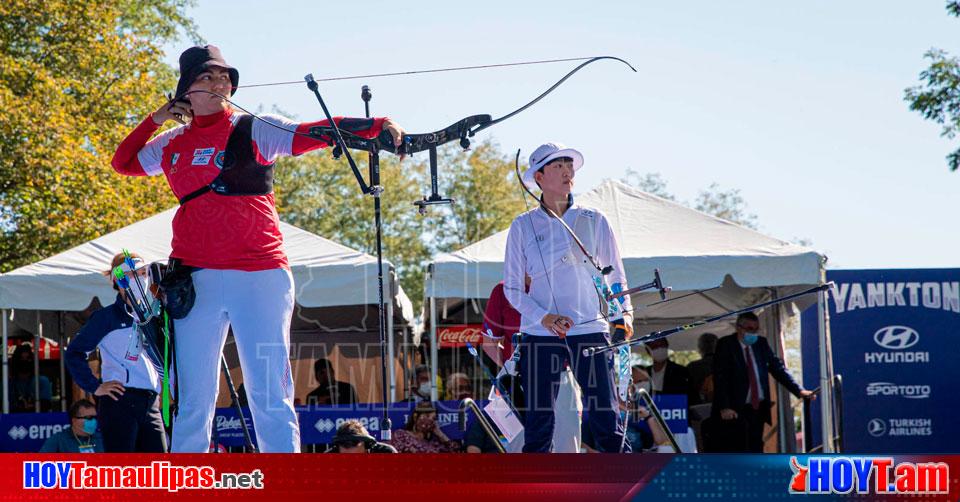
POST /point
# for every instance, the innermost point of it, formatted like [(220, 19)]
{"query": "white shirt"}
[(657, 377), (561, 277), (136, 371), (756, 371)]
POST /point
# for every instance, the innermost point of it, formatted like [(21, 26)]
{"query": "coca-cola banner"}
[(457, 336)]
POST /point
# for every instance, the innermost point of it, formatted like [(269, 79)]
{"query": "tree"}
[(652, 183), (938, 97), (726, 204), (486, 191), (75, 77), (319, 194)]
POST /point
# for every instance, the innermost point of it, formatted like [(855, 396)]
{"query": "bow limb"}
[(548, 91)]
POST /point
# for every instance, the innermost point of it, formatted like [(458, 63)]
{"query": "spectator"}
[(330, 390), (422, 433), (23, 383), (421, 385), (666, 376), (742, 389), (82, 436), (352, 437), (702, 369), (131, 370), (458, 387)]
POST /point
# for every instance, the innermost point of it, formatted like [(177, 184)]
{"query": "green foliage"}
[(937, 98), (75, 78), (320, 194)]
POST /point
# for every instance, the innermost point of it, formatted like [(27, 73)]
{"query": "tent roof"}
[(693, 250), (325, 273)]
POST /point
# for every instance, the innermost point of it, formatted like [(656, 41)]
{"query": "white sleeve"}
[(609, 253), (275, 140), (151, 155), (514, 274)]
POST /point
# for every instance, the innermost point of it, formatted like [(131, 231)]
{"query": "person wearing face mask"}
[(420, 391), (741, 364), (666, 376), (82, 435), (131, 372), (422, 433)]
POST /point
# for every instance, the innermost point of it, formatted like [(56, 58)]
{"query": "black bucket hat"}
[(196, 60)]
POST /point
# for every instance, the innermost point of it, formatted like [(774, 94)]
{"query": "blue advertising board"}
[(318, 424), (26, 432), (895, 337)]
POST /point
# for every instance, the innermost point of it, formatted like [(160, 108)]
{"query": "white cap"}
[(546, 153)]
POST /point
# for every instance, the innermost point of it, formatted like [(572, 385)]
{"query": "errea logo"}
[(17, 432), (896, 337), (325, 425)]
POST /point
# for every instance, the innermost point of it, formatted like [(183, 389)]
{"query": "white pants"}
[(258, 306), (567, 411)]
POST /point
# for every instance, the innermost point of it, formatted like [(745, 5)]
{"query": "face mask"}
[(750, 338), (424, 389), (659, 354), (90, 425)]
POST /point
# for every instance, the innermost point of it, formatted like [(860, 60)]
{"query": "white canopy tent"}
[(326, 274), (722, 266)]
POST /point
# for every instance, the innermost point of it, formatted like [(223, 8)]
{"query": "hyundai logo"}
[(876, 427), (896, 337)]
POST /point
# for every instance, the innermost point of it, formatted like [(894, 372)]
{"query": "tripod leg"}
[(235, 403)]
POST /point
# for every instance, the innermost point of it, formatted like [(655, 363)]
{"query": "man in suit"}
[(666, 376), (741, 387)]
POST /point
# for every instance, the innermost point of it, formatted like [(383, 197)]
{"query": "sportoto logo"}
[(877, 427), (896, 337), (17, 432)]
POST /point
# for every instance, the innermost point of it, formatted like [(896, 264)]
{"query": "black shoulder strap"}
[(238, 145)]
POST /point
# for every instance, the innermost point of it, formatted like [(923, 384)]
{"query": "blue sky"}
[(799, 105)]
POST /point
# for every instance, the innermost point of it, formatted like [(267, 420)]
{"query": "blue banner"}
[(894, 335), (318, 424), (26, 432), (673, 407)]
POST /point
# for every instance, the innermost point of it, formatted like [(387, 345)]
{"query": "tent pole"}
[(433, 349), (785, 422), (36, 365), (6, 367), (61, 338), (826, 371)]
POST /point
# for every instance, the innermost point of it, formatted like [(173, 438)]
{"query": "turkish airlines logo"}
[(876, 427), (896, 337)]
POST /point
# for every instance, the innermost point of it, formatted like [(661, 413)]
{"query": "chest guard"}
[(240, 173)]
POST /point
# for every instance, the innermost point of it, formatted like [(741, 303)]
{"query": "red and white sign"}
[(459, 335), (49, 349)]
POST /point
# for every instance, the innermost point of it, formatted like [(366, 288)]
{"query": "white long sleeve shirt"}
[(561, 276)]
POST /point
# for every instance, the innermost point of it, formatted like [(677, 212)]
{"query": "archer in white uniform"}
[(563, 312)]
